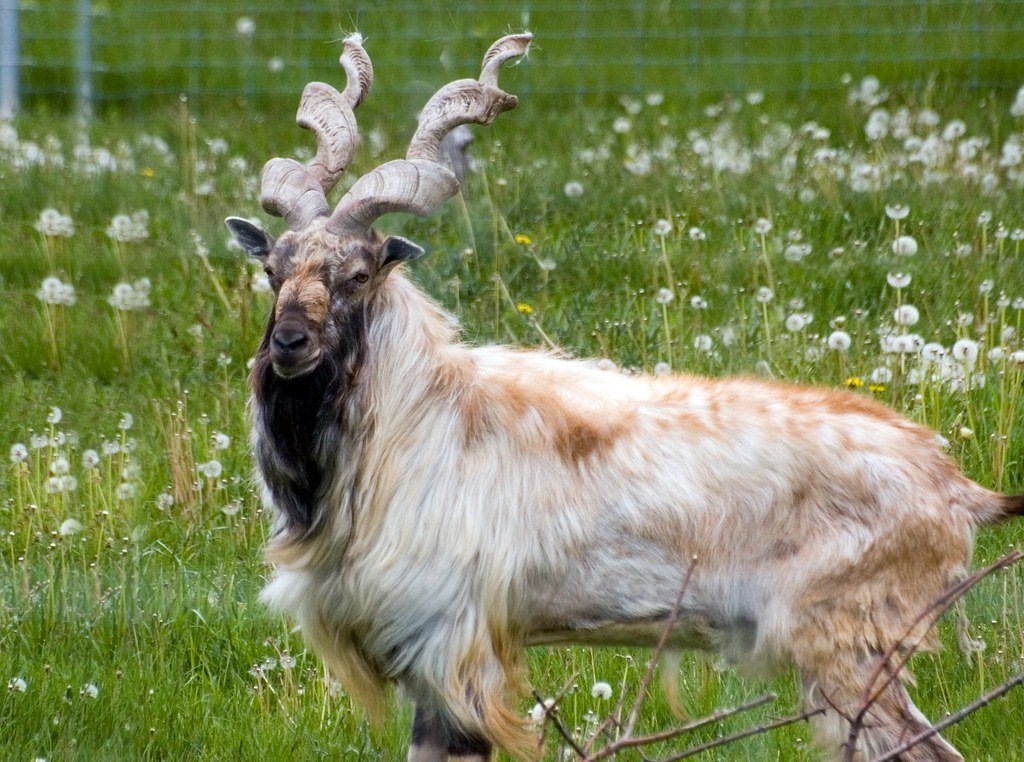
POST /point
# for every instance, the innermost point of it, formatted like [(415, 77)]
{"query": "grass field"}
[(131, 551)]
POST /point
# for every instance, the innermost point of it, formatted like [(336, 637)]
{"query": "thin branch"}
[(935, 610), (743, 734), (656, 654), (668, 735), (626, 735), (954, 718), (550, 715)]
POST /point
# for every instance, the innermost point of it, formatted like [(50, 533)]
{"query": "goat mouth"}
[(297, 369)]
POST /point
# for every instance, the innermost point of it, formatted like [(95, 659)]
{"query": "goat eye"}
[(269, 272), (360, 277)]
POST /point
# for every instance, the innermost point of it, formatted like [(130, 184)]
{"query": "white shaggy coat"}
[(485, 499)]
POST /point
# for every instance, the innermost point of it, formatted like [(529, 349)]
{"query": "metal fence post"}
[(84, 58), (9, 58)]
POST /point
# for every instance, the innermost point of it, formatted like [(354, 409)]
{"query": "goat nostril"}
[(289, 339)]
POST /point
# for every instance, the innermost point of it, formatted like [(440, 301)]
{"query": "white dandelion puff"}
[(906, 315), (70, 527), (664, 296), (839, 341), (211, 469), (905, 246), (965, 351), (573, 189), (662, 227), (795, 322), (245, 27), (601, 690), (703, 343), (898, 280), (19, 453), (897, 211)]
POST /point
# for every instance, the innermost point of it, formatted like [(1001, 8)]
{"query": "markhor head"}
[(326, 268)]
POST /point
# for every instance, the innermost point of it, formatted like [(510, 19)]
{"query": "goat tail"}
[(671, 661), (994, 508)]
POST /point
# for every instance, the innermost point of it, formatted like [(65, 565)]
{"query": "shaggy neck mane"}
[(310, 430)]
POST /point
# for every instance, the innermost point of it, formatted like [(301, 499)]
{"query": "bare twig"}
[(731, 738), (656, 654), (935, 610), (551, 716), (954, 718), (668, 735), (627, 730)]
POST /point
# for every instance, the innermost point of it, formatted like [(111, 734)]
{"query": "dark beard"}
[(299, 424)]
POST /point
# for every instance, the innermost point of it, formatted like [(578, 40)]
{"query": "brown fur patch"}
[(306, 291), (538, 411)]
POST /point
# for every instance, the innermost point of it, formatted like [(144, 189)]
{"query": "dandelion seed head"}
[(601, 690), (703, 343), (839, 341), (763, 226), (211, 469), (764, 295), (906, 315), (89, 690), (898, 280), (245, 27), (662, 369), (19, 453), (905, 246), (698, 302), (70, 527), (221, 441), (17, 684), (662, 227), (573, 189), (164, 501), (55, 415), (897, 211), (664, 296), (965, 351), (795, 322), (126, 422)]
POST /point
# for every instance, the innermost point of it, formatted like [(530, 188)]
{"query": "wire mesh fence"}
[(134, 54)]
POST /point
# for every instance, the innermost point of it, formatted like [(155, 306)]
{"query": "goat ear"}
[(256, 241), (398, 249)]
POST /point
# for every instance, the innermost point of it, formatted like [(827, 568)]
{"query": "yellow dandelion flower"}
[(877, 388), (523, 240), (854, 382), (148, 172), (524, 308)]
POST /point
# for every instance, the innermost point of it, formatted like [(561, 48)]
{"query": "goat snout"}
[(293, 350), (289, 340)]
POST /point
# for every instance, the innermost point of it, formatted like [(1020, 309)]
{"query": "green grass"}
[(155, 605)]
